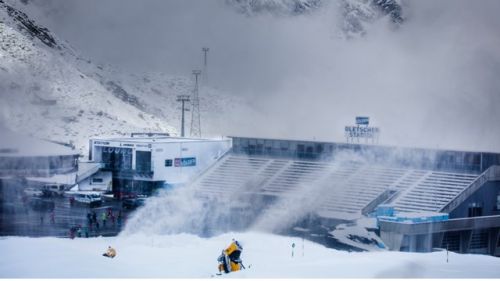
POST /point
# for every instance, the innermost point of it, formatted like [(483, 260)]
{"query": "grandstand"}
[(432, 191), (349, 181), (347, 188)]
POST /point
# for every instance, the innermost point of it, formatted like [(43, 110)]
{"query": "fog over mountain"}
[(425, 71)]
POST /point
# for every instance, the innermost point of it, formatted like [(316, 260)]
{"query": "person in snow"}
[(229, 260), (104, 218), (94, 217), (89, 218), (111, 253), (72, 233), (52, 217)]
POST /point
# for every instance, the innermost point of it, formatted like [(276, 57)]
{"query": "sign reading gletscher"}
[(361, 130)]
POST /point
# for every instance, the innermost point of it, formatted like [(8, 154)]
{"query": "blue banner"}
[(185, 162), (362, 120)]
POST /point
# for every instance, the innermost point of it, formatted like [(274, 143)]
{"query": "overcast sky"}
[(433, 82)]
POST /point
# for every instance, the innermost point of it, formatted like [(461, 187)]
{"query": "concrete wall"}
[(486, 196)]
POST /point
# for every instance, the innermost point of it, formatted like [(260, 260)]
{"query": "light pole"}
[(183, 99)]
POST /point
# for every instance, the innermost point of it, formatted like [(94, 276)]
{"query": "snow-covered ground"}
[(184, 255)]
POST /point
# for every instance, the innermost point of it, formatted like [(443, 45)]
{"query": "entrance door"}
[(475, 210)]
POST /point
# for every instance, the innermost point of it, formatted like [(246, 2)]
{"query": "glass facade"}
[(117, 158)]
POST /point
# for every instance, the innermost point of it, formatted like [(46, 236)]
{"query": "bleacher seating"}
[(432, 192), (343, 189)]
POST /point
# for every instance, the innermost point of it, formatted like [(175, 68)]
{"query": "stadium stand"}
[(347, 188)]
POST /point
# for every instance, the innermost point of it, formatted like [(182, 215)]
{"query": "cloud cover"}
[(432, 82)]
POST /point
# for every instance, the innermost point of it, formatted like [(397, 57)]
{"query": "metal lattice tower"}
[(195, 111), (183, 99), (205, 65)]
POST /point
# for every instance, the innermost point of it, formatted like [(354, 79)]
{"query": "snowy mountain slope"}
[(157, 94), (45, 96), (189, 256), (275, 7), (49, 90), (358, 15), (355, 15)]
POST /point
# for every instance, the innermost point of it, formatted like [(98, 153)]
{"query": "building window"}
[(143, 161), (168, 163), (97, 180)]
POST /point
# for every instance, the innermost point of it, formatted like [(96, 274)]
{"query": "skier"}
[(111, 253), (229, 260)]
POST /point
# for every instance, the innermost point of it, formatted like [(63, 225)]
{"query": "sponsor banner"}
[(185, 162)]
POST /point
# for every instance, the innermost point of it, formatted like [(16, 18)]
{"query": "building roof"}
[(154, 139), (17, 145)]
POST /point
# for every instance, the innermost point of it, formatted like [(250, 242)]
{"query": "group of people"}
[(94, 224), (108, 215)]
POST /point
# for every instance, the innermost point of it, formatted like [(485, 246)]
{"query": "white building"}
[(142, 164)]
